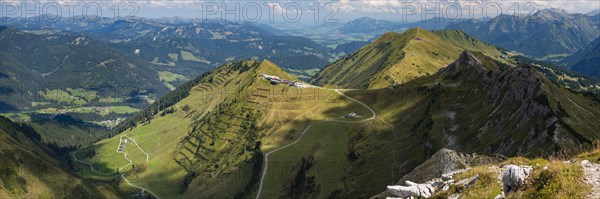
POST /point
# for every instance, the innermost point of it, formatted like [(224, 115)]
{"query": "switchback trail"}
[(374, 115), (126, 158)]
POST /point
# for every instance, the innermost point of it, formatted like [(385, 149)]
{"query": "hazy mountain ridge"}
[(546, 32), (215, 42), (48, 60), (366, 25)]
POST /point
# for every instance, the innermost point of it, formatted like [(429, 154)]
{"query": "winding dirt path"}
[(126, 158), (266, 165), (592, 177)]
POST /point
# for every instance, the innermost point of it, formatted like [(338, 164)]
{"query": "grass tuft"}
[(559, 180)]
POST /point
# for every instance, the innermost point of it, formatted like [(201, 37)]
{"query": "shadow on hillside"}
[(359, 154), (102, 170)]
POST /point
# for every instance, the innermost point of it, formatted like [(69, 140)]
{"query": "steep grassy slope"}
[(479, 105), (211, 143), (467, 42), (29, 170), (396, 58), (483, 94)]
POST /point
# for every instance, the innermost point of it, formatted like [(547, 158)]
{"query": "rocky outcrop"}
[(467, 65), (446, 162), (429, 188), (412, 190), (514, 177), (437, 174)]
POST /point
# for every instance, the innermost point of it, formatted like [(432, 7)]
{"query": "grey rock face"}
[(446, 163), (514, 177), (412, 190)]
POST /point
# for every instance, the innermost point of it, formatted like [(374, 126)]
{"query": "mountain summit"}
[(395, 58)]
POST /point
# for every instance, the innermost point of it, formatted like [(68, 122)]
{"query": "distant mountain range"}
[(215, 43), (205, 37), (593, 13), (548, 32), (367, 25)]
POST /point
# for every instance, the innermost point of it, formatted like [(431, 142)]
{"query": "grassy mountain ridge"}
[(211, 145), (478, 105), (533, 94), (467, 42), (396, 58), (203, 98)]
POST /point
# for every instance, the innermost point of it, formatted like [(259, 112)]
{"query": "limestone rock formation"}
[(412, 190), (438, 171), (514, 177), (446, 162)]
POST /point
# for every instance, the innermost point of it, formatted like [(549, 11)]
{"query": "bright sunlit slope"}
[(211, 143), (396, 58)]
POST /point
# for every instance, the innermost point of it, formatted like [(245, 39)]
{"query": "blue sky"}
[(292, 11)]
